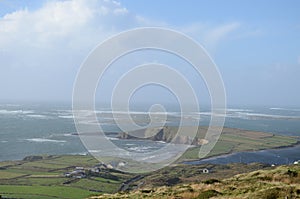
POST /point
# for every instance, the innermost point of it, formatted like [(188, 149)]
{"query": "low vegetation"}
[(279, 182)]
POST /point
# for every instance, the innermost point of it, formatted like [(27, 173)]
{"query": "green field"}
[(44, 179), (24, 191), (236, 140)]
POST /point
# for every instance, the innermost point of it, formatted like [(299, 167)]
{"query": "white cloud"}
[(58, 19), (67, 30), (63, 30), (42, 49)]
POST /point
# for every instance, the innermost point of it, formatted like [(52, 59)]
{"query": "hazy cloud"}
[(63, 21), (210, 35), (43, 48), (214, 36)]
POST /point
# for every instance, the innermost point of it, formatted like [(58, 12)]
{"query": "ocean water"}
[(29, 129)]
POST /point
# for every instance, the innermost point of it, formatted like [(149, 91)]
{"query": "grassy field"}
[(236, 140), (44, 179), (24, 191)]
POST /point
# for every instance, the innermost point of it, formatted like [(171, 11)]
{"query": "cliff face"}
[(166, 134)]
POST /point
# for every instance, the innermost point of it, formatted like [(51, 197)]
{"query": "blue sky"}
[(255, 44)]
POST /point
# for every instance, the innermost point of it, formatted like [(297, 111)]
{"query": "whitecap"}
[(5, 111), (162, 142), (66, 116), (38, 116), (44, 140), (112, 138), (261, 115), (94, 151), (70, 134), (284, 109), (238, 110)]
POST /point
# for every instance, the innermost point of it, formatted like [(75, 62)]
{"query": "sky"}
[(255, 45)]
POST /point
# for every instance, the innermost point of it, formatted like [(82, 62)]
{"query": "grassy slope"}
[(280, 182)]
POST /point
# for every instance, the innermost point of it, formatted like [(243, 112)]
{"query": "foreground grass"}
[(280, 182)]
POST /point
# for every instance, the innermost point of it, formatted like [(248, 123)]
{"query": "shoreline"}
[(189, 162), (297, 144)]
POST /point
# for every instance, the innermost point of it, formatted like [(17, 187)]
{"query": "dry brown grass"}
[(279, 182)]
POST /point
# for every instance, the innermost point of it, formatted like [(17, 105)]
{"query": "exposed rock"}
[(167, 134)]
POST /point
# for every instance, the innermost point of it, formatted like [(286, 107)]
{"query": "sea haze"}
[(29, 129)]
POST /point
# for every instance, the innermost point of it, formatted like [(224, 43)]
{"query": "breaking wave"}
[(45, 140)]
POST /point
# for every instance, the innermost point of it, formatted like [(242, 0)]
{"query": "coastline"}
[(226, 155), (188, 161)]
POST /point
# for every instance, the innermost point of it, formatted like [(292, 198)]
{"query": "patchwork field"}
[(44, 178)]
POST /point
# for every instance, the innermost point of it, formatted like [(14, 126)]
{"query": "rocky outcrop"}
[(166, 134)]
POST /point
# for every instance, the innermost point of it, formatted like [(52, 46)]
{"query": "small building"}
[(67, 174), (121, 164), (78, 173), (297, 162), (205, 170), (109, 166), (95, 170)]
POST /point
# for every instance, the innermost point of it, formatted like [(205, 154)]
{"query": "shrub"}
[(208, 194), (292, 173), (173, 181), (270, 194), (211, 181)]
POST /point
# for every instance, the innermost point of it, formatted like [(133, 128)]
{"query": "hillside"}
[(279, 182), (45, 177)]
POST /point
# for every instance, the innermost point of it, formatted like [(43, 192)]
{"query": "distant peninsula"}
[(231, 139)]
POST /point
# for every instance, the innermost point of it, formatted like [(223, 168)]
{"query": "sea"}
[(48, 128)]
